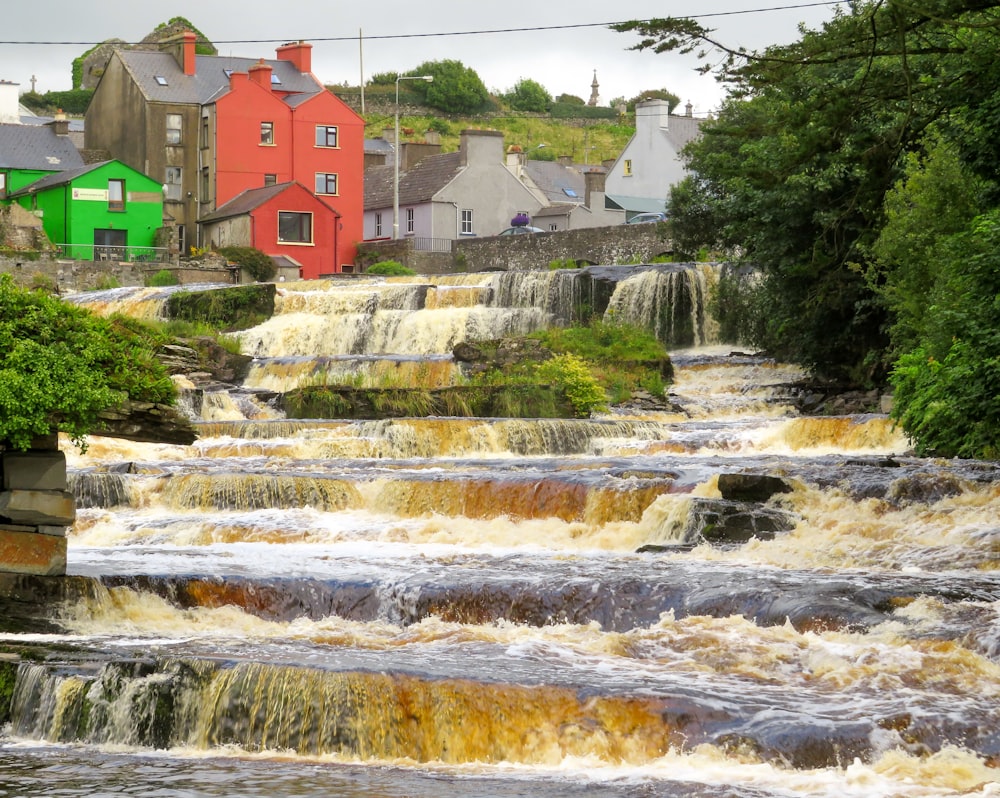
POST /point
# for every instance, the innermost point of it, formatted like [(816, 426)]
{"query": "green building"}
[(102, 211)]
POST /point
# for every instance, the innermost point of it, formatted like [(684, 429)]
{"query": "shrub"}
[(60, 366), (258, 264), (162, 278), (391, 268), (571, 375)]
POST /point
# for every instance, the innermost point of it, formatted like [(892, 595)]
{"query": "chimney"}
[(480, 147), (593, 181), (182, 48), (9, 112), (299, 53), (515, 159), (565, 160), (260, 73), (60, 124)]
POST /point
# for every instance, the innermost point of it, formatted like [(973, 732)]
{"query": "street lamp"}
[(395, 178)]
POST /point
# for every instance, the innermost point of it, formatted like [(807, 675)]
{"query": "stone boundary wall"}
[(615, 245), (70, 276), (605, 246)]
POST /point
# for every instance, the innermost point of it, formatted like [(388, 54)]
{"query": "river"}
[(430, 607)]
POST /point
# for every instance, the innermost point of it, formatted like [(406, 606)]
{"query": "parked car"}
[(650, 216), (516, 231)]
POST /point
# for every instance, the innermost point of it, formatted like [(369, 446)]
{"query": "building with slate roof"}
[(275, 219), (450, 195), (573, 193), (641, 177), (29, 152), (211, 127), (103, 211)]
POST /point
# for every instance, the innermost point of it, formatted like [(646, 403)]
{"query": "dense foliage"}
[(257, 263), (71, 102), (60, 366), (850, 168), (456, 88), (528, 95), (392, 268)]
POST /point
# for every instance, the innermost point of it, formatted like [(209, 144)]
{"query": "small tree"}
[(529, 95), (456, 88)]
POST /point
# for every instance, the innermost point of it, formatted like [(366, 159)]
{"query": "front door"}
[(110, 244)]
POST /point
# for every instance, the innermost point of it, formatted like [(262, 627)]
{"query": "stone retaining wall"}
[(615, 245), (70, 276)]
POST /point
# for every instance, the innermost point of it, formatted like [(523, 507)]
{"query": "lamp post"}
[(395, 177)]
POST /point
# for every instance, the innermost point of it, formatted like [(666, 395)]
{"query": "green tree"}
[(529, 95), (456, 88), (655, 94), (947, 391), (259, 264), (796, 168), (61, 365)]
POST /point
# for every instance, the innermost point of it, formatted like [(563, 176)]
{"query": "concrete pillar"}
[(35, 510)]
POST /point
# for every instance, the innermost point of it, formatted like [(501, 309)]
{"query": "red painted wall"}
[(316, 258), (242, 161), (347, 161)]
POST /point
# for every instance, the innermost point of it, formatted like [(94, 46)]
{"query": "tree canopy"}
[(456, 88), (61, 365), (851, 168), (528, 95)]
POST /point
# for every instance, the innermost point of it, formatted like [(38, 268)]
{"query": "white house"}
[(450, 195), (641, 177)]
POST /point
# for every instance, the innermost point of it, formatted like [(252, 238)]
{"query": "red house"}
[(281, 220), (215, 127)]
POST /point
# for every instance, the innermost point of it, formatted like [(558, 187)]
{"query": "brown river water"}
[(515, 607)]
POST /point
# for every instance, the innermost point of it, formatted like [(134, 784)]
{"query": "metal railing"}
[(96, 252), (421, 244)]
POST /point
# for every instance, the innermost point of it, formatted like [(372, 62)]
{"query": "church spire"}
[(593, 90)]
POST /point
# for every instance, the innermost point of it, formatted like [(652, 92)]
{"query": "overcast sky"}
[(394, 36)]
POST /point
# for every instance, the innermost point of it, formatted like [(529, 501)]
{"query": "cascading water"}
[(508, 607)]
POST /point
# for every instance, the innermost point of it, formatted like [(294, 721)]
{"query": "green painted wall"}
[(72, 212)]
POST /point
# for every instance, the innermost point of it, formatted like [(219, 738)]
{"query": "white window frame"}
[(410, 221), (173, 180), (175, 132), (378, 225), (465, 223)]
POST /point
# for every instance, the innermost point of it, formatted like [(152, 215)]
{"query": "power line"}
[(467, 32)]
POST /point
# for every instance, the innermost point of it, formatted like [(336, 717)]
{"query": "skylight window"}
[(229, 72), (570, 192), (162, 81), (275, 80)]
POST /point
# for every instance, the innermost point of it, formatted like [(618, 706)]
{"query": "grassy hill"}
[(587, 141)]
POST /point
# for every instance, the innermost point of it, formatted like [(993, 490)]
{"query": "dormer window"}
[(160, 80)]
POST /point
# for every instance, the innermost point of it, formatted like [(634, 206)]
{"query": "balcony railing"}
[(98, 252)]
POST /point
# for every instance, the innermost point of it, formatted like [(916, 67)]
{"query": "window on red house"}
[(294, 227), (267, 133), (326, 135), (326, 183)]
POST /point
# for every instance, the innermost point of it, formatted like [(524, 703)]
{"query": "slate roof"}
[(249, 200), (559, 183), (36, 147), (417, 185), (210, 80), (253, 198), (57, 179)]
